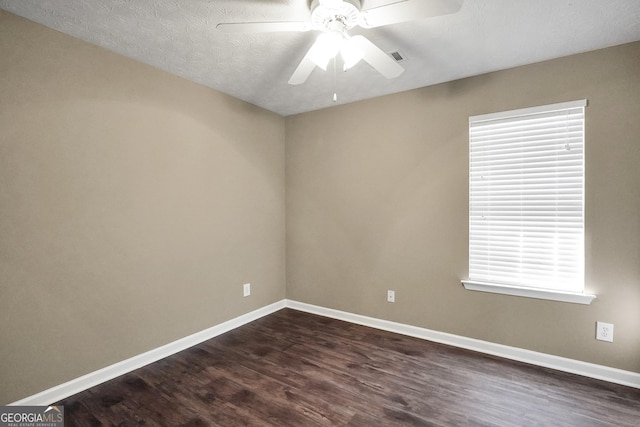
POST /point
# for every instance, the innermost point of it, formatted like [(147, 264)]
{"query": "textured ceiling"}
[(180, 36)]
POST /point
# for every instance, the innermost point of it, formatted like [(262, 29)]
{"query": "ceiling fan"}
[(334, 18)]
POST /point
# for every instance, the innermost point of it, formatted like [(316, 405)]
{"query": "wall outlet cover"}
[(604, 331), (246, 289)]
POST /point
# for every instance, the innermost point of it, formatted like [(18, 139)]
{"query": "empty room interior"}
[(193, 212)]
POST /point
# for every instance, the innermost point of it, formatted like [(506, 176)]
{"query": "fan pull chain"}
[(335, 80)]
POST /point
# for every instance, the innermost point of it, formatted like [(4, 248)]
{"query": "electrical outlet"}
[(246, 289), (391, 296), (604, 331)]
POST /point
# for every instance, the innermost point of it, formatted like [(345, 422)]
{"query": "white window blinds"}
[(526, 198)]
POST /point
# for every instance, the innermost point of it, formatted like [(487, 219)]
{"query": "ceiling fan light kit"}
[(328, 45), (334, 18)]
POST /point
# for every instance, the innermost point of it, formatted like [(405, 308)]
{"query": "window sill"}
[(572, 297)]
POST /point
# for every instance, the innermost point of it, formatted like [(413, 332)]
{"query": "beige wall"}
[(377, 199), (133, 206)]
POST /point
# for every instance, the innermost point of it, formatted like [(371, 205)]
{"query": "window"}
[(526, 202)]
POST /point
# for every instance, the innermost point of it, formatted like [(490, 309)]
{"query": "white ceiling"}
[(180, 36)]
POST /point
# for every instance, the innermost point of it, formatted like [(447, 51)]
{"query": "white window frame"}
[(485, 276)]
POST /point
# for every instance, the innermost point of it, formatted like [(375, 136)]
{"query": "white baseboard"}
[(600, 372), (59, 392)]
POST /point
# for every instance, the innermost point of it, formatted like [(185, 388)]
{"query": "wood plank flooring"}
[(297, 369)]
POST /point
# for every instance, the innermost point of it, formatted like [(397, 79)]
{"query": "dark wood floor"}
[(296, 369)]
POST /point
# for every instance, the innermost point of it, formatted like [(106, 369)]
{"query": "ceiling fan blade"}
[(302, 73), (375, 57), (263, 27), (407, 10)]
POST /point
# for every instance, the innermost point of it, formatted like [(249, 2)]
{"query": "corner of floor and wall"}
[(135, 206)]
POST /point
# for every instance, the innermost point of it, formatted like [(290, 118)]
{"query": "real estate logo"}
[(31, 416)]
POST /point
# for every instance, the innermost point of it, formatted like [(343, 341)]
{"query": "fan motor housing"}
[(335, 15)]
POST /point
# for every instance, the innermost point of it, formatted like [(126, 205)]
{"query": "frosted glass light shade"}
[(326, 47), (351, 53)]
